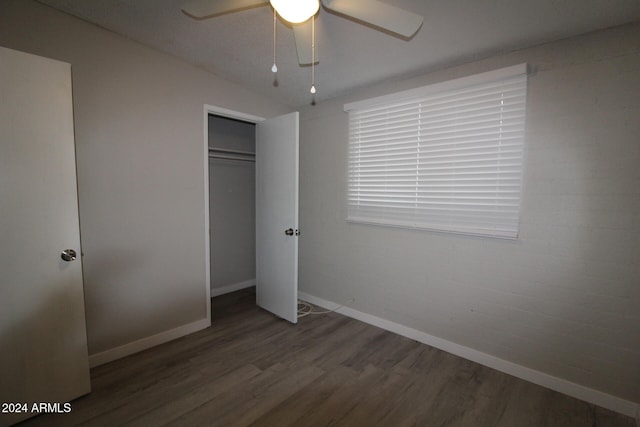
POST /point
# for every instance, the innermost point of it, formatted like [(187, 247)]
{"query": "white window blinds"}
[(445, 157)]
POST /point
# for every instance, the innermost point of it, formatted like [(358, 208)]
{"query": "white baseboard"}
[(110, 355), (578, 391), (232, 288)]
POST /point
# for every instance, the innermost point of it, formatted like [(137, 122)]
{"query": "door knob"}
[(289, 232), (68, 255)]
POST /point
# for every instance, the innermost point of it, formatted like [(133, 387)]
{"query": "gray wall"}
[(141, 170), (232, 210), (565, 297)]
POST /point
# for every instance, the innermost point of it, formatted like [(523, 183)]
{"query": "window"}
[(444, 157)]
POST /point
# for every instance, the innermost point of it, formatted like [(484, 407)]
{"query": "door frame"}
[(231, 114)]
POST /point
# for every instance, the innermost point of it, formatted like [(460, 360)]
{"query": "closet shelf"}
[(227, 151), (226, 154)]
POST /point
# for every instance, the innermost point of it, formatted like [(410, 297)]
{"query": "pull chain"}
[(313, 55), (274, 67)]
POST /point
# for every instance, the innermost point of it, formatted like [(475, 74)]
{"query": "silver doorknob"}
[(289, 232), (68, 255)]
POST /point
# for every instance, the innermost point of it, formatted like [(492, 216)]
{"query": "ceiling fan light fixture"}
[(296, 11)]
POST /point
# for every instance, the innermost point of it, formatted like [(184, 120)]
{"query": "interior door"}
[(277, 216), (43, 351)]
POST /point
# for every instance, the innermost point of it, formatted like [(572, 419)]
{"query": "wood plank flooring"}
[(252, 369)]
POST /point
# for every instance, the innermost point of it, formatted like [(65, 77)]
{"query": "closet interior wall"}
[(231, 204)]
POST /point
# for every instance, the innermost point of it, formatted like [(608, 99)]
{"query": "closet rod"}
[(221, 156), (224, 150)]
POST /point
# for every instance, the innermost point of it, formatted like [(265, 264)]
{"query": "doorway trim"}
[(231, 114)]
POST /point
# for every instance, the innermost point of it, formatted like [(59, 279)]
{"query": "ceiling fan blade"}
[(302, 36), (201, 9), (376, 13)]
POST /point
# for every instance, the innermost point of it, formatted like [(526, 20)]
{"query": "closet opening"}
[(232, 219)]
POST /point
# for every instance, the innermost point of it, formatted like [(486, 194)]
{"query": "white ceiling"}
[(239, 46)]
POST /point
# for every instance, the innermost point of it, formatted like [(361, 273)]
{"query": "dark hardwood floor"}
[(251, 369)]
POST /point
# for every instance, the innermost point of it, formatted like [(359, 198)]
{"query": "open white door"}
[(43, 340), (277, 216)]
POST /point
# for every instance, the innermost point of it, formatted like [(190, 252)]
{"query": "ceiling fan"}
[(382, 16)]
